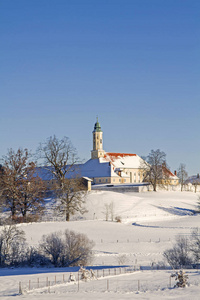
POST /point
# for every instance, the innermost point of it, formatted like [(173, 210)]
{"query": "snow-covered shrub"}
[(12, 246), (179, 255), (34, 258), (68, 249), (52, 245), (181, 278), (121, 259), (195, 245)]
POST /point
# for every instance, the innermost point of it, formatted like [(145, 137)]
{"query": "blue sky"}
[(134, 63)]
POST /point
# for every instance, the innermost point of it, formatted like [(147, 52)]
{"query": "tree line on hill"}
[(58, 249), (23, 189)]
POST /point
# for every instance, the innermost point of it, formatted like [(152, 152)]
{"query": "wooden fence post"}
[(63, 278), (47, 282), (29, 285), (20, 288), (49, 287), (38, 284), (78, 281), (138, 285), (107, 285)]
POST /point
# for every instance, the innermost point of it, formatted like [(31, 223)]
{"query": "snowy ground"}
[(150, 223)]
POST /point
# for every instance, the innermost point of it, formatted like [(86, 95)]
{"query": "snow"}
[(150, 223)]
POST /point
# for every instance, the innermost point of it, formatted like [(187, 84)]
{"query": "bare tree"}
[(182, 174), (78, 249), (60, 158), (12, 243), (22, 189), (195, 244), (153, 166), (53, 246), (68, 249), (71, 198), (32, 192), (179, 255)]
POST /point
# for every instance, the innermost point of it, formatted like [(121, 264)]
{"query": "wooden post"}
[(63, 278), (97, 273), (55, 279), (38, 284), (29, 285), (115, 271), (107, 285), (78, 281), (49, 287), (170, 281), (138, 285), (109, 271), (103, 272), (20, 288), (47, 282)]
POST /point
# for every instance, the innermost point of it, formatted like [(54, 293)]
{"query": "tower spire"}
[(97, 141)]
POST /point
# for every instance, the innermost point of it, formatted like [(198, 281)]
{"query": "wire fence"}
[(66, 279), (101, 280)]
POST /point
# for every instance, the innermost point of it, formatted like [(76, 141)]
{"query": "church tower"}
[(97, 141)]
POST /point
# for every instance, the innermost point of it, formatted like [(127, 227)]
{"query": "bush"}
[(34, 258), (118, 219), (12, 246), (179, 255), (68, 249), (195, 244)]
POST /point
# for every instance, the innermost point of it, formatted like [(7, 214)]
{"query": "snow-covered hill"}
[(150, 223)]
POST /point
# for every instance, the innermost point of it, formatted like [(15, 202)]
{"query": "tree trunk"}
[(67, 216)]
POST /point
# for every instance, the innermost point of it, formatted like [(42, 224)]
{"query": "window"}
[(106, 180), (114, 180), (124, 180), (100, 141), (119, 180), (99, 180)]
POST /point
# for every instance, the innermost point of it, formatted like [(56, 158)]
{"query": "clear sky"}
[(134, 63)]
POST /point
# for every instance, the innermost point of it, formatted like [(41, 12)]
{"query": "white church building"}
[(111, 168)]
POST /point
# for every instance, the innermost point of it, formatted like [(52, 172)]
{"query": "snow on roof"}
[(124, 160), (95, 168), (169, 173), (194, 179), (88, 179)]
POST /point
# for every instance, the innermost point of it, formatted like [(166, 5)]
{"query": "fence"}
[(104, 280), (62, 279)]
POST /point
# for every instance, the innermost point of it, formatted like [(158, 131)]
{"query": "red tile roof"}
[(118, 154), (167, 171), (112, 156)]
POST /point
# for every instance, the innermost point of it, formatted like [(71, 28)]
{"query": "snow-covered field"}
[(150, 223)]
